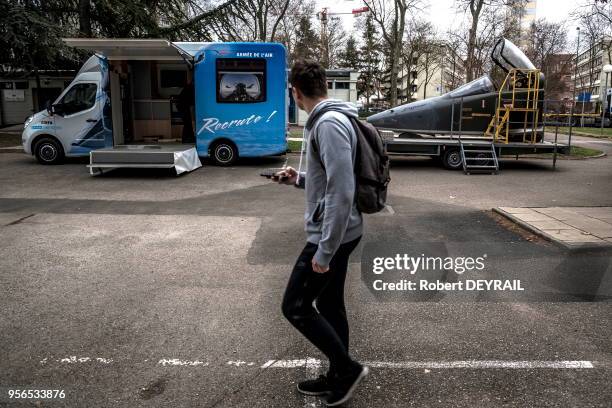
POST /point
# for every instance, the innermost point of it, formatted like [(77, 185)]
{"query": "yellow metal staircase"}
[(526, 81)]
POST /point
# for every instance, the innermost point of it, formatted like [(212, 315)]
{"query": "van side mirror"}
[(48, 107), (57, 109)]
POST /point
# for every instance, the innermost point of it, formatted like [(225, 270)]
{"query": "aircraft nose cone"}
[(383, 119), (377, 118)]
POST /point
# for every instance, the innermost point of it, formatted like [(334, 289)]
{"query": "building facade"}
[(558, 72), (590, 78), (341, 84), (21, 96), (431, 75), (527, 18)]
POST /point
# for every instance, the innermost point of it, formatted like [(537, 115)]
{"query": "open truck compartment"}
[(144, 78)]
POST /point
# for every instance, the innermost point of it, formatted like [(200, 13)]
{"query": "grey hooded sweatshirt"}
[(331, 215)]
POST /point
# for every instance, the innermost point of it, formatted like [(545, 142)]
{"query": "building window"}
[(342, 85), (241, 80)]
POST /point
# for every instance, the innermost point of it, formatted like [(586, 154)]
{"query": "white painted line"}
[(240, 363), (313, 365), (76, 360), (481, 364), (310, 363), (268, 363), (176, 362), (441, 364)]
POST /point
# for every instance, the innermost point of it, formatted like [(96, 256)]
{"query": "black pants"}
[(324, 326)]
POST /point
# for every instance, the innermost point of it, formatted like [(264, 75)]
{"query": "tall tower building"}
[(527, 17)]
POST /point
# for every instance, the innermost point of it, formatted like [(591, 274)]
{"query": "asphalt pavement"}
[(139, 288)]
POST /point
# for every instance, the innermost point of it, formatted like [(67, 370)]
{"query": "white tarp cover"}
[(186, 160)]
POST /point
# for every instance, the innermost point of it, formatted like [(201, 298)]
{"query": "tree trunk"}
[(393, 79), (475, 8), (85, 18), (260, 25), (396, 49)]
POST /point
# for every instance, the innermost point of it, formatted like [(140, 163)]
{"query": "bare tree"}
[(297, 32), (430, 62), (418, 36), (591, 36), (242, 20), (597, 14), (477, 10), (332, 40), (390, 16), (545, 40), (455, 50)]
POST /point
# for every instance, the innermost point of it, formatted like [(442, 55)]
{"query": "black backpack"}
[(371, 165)]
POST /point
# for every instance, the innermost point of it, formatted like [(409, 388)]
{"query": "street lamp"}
[(604, 100), (571, 117)]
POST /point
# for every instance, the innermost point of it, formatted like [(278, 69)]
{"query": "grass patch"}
[(586, 131), (577, 151), (294, 145), (295, 133)]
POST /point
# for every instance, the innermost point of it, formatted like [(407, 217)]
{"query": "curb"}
[(542, 234), (597, 156)]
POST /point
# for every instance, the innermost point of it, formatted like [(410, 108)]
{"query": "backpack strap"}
[(351, 119)]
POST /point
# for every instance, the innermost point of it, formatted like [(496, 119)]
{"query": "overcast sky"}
[(442, 12)]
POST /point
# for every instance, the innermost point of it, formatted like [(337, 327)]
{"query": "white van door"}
[(82, 113)]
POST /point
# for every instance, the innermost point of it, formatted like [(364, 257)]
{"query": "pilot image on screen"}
[(240, 87)]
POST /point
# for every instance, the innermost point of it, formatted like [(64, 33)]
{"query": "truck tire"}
[(451, 159), (224, 153), (49, 151)]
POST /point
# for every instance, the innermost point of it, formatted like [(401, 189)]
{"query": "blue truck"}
[(123, 107)]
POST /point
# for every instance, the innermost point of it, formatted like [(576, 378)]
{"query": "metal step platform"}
[(182, 157), (479, 157)]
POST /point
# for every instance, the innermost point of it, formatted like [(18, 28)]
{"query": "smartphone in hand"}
[(269, 173)]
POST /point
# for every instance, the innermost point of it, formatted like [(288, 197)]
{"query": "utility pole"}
[(571, 117), (604, 100)]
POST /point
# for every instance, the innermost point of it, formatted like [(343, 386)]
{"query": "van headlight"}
[(28, 121)]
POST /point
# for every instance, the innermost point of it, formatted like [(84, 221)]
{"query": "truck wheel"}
[(452, 159), (49, 151), (224, 153)]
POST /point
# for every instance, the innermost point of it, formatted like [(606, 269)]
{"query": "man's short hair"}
[(309, 77)]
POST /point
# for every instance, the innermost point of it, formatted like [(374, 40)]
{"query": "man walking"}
[(314, 298)]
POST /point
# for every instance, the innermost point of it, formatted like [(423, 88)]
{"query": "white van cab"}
[(77, 122)]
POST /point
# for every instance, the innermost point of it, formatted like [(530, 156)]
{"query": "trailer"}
[(133, 102), (472, 154), (472, 126)]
